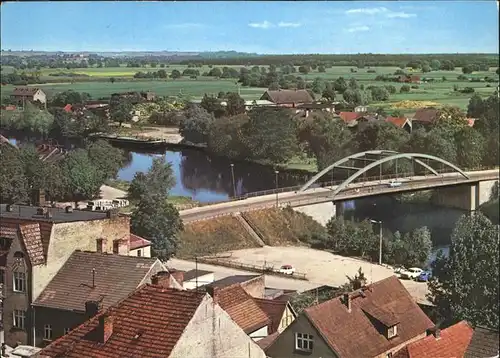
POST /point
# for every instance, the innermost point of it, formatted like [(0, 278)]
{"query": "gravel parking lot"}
[(321, 267)]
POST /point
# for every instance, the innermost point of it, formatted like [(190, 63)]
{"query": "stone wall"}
[(322, 213)]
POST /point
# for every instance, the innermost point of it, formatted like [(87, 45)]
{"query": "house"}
[(287, 98), (31, 94), (447, 343), (361, 109), (375, 321), (68, 108), (281, 314), (158, 321), (349, 117), (483, 344), (254, 285), (35, 242), (425, 116), (89, 276), (471, 121), (409, 79), (401, 122), (139, 246), (258, 103), (197, 278), (308, 108)]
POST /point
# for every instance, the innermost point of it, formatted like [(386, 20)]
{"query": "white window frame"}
[(67, 330), (18, 319), (304, 342), (392, 331), (47, 332), (21, 277)]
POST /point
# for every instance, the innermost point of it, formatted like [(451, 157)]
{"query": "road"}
[(320, 195)]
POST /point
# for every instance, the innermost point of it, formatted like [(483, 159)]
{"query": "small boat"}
[(129, 142)]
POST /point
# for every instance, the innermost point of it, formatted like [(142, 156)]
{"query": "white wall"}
[(202, 280), (259, 334), (145, 252)]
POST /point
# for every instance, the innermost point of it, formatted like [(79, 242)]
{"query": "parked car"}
[(287, 269), (424, 276), (398, 270), (394, 183), (412, 273)]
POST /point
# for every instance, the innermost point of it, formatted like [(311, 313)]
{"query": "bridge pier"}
[(466, 197)]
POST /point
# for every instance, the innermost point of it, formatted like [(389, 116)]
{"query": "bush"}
[(414, 86), (404, 89), (371, 71), (391, 89), (468, 90)]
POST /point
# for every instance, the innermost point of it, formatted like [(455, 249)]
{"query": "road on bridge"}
[(321, 195)]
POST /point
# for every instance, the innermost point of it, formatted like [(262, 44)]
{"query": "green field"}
[(97, 83)]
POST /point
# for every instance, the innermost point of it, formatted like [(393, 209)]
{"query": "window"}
[(2, 276), (303, 342), (67, 330), (392, 332), (139, 253), (19, 279), (47, 332), (18, 319)]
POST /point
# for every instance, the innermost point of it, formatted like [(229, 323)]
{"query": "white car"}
[(412, 273), (287, 269), (394, 183)]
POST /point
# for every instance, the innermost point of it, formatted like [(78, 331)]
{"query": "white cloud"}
[(261, 25), (358, 29), (367, 10), (400, 15), (289, 24), (380, 11)]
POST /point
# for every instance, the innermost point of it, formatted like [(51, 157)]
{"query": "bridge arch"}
[(392, 155)]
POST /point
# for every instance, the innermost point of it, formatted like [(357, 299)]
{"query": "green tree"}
[(69, 97), (470, 147), (418, 245), (355, 97), (195, 125), (468, 69), (426, 68), (358, 280), (33, 168), (81, 177), (14, 188), (353, 84), (156, 182), (381, 135), (225, 136), (213, 105), (107, 159), (305, 69), (435, 65), (329, 92), (112, 79), (379, 94), (340, 85), (318, 85), (121, 111), (404, 89), (475, 109), (159, 221), (175, 74), (465, 286), (235, 104), (54, 181)]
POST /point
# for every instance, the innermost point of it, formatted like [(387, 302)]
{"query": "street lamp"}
[(380, 240), (276, 181), (232, 180)]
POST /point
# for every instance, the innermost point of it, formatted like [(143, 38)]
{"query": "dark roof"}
[(427, 115), (231, 280), (116, 276), (484, 343), (242, 308), (388, 300), (147, 324), (25, 91), (192, 274), (58, 215), (288, 96), (274, 309), (452, 343), (267, 341)]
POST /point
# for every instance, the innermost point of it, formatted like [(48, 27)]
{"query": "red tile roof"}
[(350, 116), (32, 240), (67, 108), (383, 301), (241, 307), (274, 310), (136, 242), (397, 121), (146, 324), (470, 121), (452, 343)]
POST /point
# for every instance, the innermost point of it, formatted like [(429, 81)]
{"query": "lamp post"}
[(380, 240), (232, 180), (277, 186)]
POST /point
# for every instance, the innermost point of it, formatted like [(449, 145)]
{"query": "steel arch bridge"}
[(381, 157)]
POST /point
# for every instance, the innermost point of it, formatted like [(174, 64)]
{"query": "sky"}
[(279, 27)]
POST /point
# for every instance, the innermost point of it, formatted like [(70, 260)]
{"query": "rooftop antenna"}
[(93, 277)]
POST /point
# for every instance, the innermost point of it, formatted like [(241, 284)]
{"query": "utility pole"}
[(380, 240), (232, 179), (277, 186)]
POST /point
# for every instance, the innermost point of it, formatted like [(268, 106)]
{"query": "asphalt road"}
[(320, 195)]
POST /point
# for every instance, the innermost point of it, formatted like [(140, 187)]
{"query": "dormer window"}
[(392, 331)]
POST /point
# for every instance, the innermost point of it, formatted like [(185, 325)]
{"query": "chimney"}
[(213, 291), (177, 275), (161, 278), (101, 245), (105, 328), (347, 301), (91, 308)]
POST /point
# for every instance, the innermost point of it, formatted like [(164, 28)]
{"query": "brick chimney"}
[(105, 328), (101, 245), (92, 308), (347, 301), (214, 292), (177, 275), (162, 278)]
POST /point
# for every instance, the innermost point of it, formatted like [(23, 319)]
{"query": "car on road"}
[(398, 270), (287, 269), (412, 273), (394, 183), (424, 276)]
